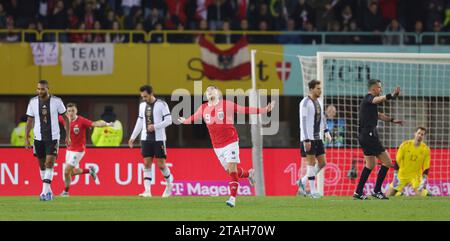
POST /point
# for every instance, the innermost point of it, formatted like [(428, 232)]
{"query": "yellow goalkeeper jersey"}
[(412, 160)]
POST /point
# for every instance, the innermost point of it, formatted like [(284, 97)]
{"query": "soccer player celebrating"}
[(312, 121), (76, 150), (413, 164), (218, 115), (368, 137), (154, 117), (43, 110)]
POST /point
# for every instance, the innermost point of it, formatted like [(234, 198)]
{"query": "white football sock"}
[(147, 182), (48, 175), (312, 178), (166, 173)]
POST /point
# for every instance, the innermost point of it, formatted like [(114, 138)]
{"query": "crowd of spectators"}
[(383, 18)]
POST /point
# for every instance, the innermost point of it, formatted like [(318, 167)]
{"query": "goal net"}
[(424, 80)]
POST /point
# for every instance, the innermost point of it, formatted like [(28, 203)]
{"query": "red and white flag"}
[(283, 70), (230, 64)]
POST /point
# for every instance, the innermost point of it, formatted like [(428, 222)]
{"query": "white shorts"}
[(73, 158), (228, 154)]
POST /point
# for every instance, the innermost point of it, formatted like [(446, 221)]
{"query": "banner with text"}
[(87, 59), (200, 173), (45, 54)]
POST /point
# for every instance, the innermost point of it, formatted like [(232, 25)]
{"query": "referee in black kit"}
[(368, 137)]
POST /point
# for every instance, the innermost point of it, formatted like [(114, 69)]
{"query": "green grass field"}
[(214, 208)]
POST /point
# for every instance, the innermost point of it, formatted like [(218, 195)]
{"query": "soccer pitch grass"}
[(214, 208)]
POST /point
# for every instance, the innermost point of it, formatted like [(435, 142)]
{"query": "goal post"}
[(424, 101)]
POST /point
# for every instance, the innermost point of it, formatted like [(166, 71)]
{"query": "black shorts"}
[(317, 148), (41, 149), (153, 149), (370, 142)]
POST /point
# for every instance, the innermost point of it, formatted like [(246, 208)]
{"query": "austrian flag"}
[(230, 64)]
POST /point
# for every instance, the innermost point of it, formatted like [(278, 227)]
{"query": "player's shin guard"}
[(147, 179), (311, 178), (233, 184), (48, 177), (363, 179), (242, 173), (380, 178)]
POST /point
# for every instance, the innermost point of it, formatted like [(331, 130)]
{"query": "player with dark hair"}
[(154, 117), (369, 140), (76, 150), (312, 123), (43, 111), (412, 165), (218, 115)]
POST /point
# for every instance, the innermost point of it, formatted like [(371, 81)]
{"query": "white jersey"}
[(312, 119), (45, 114), (157, 114)]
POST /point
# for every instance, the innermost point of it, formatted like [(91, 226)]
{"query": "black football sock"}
[(380, 178), (363, 179)]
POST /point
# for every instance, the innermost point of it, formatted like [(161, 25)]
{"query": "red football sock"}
[(242, 173), (233, 184), (66, 189)]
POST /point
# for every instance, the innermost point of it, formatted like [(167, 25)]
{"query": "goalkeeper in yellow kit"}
[(412, 165)]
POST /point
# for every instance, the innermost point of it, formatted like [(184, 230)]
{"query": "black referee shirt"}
[(368, 113)]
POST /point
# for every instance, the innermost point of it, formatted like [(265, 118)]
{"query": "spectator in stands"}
[(89, 18), (393, 27), (127, 5), (79, 8), (11, 36), (263, 15), (153, 19), (263, 38), (72, 19), (157, 37), (225, 38), (435, 39), (136, 16), (218, 12), (325, 13), (335, 27), (179, 37), (31, 37), (353, 27), (435, 10), (2, 16), (243, 26), (58, 20), (303, 12), (418, 30), (115, 37), (109, 19), (18, 134), (175, 12), (81, 37), (388, 9), (139, 37), (310, 38), (98, 37), (346, 17), (108, 136), (289, 38), (373, 22)]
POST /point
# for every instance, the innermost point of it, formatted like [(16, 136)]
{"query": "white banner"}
[(87, 59), (45, 53)]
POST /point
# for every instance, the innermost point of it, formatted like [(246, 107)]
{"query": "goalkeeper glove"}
[(424, 183)]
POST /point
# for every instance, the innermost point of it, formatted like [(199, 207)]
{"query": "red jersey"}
[(220, 118), (78, 129)]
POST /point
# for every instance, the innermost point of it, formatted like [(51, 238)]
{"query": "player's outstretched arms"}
[(390, 96), (102, 123)]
